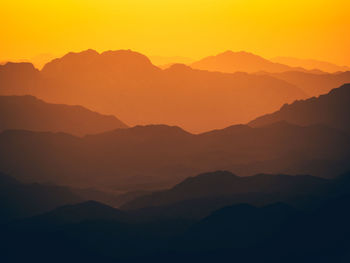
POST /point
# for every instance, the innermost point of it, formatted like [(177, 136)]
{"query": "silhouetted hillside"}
[(126, 84), (223, 183), (19, 79), (231, 62), (23, 200), (332, 109), (242, 225), (273, 233), (200, 199), (92, 66), (152, 157), (72, 214), (107, 196), (30, 113)]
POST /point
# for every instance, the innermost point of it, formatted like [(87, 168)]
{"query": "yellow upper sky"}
[(317, 29)]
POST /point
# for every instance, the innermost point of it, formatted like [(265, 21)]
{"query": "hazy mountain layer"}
[(159, 156), (126, 84), (29, 113)]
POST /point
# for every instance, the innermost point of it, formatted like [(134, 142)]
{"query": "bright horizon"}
[(193, 29)]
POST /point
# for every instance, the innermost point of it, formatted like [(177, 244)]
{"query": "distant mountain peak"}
[(90, 61), (19, 67), (128, 57), (237, 53), (179, 67), (241, 61)]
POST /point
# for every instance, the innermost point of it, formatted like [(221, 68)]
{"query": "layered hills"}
[(302, 141), (159, 156), (30, 113), (126, 84)]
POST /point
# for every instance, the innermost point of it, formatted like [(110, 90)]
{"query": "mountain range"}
[(209, 186), (310, 64), (93, 231), (331, 109), (153, 157), (269, 216), (126, 84), (25, 200), (311, 83), (158, 156), (231, 62), (199, 196), (22, 200), (30, 113)]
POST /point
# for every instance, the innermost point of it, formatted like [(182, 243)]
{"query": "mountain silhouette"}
[(278, 233), (20, 78), (224, 183), (242, 61), (310, 64), (274, 233), (126, 84), (119, 62), (76, 213), (311, 83), (158, 156), (195, 199), (24, 200), (30, 113), (331, 109), (107, 196), (242, 224)]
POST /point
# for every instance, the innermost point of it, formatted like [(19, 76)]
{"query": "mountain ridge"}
[(330, 109), (126, 84), (224, 183), (30, 113), (147, 154), (311, 64), (242, 61)]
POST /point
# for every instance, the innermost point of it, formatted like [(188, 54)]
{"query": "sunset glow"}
[(176, 131), (190, 28)]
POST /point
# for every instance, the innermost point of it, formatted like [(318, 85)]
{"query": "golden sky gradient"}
[(316, 29)]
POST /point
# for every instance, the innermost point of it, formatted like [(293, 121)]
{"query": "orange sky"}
[(191, 28)]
